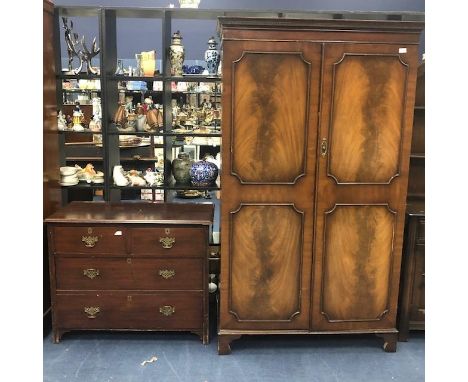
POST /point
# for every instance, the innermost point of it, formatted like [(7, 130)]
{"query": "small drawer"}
[(128, 273), (124, 310), (170, 241), (89, 240), (420, 235)]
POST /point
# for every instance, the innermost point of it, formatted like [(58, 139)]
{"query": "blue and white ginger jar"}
[(203, 173), (212, 57)]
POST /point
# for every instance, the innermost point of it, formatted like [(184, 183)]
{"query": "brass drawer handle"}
[(324, 147), (167, 310), (166, 273), (167, 242), (90, 241), (91, 273), (91, 311)]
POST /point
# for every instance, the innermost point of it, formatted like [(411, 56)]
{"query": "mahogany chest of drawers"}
[(129, 266)]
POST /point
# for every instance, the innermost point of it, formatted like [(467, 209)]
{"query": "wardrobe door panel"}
[(356, 262), (366, 118), (270, 123), (365, 138), (269, 117), (265, 262)]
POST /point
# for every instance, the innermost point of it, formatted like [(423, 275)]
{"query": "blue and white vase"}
[(203, 173), (212, 57)]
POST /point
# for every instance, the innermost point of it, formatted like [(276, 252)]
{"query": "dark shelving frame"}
[(107, 21)]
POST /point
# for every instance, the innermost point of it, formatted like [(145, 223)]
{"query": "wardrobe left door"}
[(270, 114)]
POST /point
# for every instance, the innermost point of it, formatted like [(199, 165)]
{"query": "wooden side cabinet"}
[(130, 267), (411, 314)]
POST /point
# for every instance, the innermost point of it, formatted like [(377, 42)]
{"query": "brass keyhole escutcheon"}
[(167, 242), (166, 273), (92, 311), (167, 310), (89, 241), (91, 273)]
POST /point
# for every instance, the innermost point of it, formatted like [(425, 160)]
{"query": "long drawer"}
[(128, 273), (167, 241), (86, 240), (124, 310)]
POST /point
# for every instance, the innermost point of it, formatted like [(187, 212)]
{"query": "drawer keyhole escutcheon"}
[(92, 311), (167, 310), (91, 273), (166, 273), (167, 242), (324, 147), (90, 241)]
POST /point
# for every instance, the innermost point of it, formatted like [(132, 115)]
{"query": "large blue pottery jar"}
[(212, 57), (203, 173)]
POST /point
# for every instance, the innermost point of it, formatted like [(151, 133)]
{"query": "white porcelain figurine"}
[(119, 177)]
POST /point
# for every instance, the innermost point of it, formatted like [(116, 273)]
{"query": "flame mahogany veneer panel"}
[(270, 116), (357, 262), (266, 263), (368, 100)]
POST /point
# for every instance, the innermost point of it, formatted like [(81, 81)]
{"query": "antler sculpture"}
[(86, 55), (71, 40)]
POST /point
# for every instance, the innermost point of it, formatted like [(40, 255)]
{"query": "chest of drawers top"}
[(134, 213)]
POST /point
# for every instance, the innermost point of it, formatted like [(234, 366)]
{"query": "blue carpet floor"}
[(105, 356)]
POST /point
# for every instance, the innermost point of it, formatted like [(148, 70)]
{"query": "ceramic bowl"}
[(70, 179), (67, 170)]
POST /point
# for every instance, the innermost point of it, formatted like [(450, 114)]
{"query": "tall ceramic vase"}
[(177, 55), (212, 57)]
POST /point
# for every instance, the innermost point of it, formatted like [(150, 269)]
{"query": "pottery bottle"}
[(181, 168)]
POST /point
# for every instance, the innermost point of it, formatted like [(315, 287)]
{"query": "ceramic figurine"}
[(120, 116), (136, 179), (150, 177), (131, 122), (95, 123), (152, 118), (77, 118), (61, 121), (87, 173), (203, 173), (141, 119), (129, 104), (212, 57), (181, 168), (96, 102), (177, 55), (119, 176), (148, 104)]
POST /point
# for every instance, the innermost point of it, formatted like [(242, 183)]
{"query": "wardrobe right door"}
[(363, 156)]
